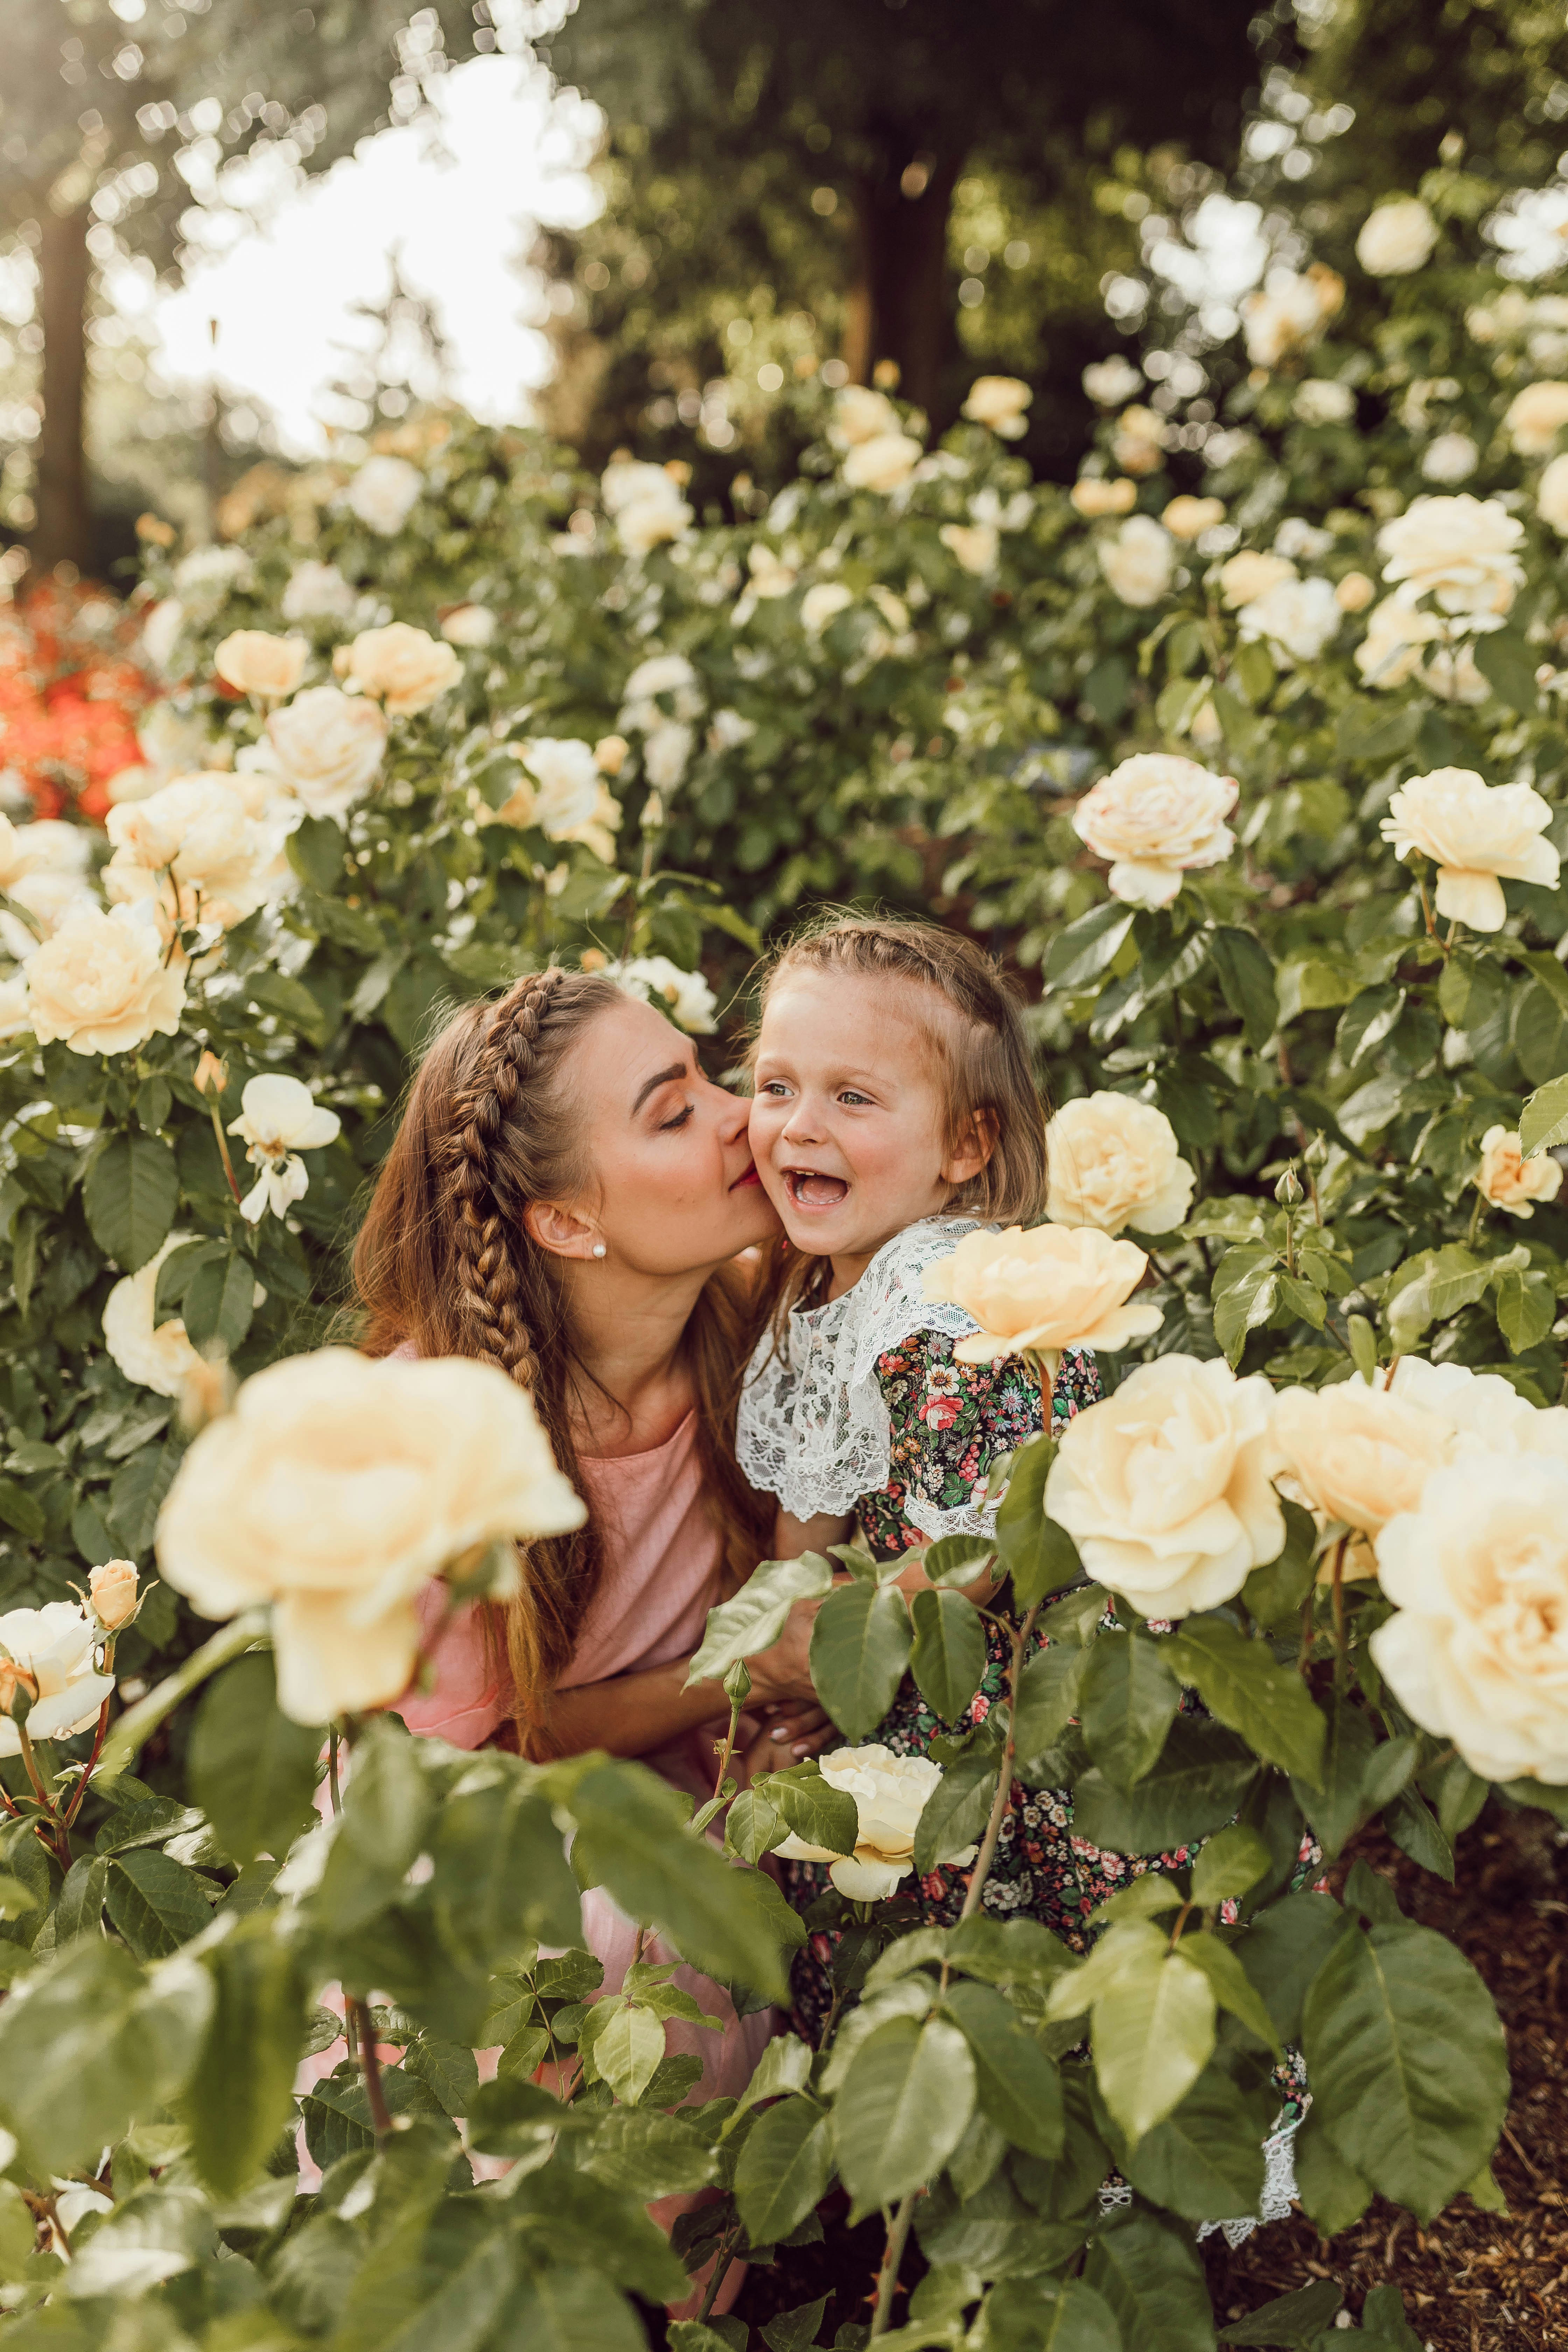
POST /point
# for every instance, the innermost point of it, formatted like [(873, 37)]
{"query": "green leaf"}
[(1429, 1288), (1047, 1699), (625, 2044), (1246, 973), (1274, 1594), (949, 1655), (957, 1559), (1153, 2035), (219, 1302), (785, 2065), (80, 1906), (137, 1496), (1243, 1290), (94, 2042), (812, 1807), (1525, 1302), (902, 2109), (1243, 1685), (753, 1827), (1507, 664), (1407, 2062), (955, 1813), (253, 1771), (315, 850), (1127, 1701), (1021, 1519), (1202, 1777), (1233, 1860), (445, 2069), (754, 1618), (241, 2095), (21, 1511), (1543, 1122), (130, 1194), (568, 2311), (1018, 2088), (1337, 1806), (1205, 2160), (645, 2154), (156, 1903), (1233, 1988), (1282, 1951), (1148, 2272), (501, 1876), (1088, 947), (1049, 2314), (1409, 1821), (859, 1647), (1538, 1031), (784, 2169), (1294, 2320), (1333, 2193)]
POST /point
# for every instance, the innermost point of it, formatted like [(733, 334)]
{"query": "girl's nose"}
[(801, 1126)]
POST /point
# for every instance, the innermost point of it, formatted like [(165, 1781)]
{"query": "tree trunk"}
[(63, 533), (900, 309)]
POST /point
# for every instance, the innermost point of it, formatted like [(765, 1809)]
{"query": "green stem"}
[(223, 1148), (1342, 1645), (721, 2261), (139, 1722), (892, 2258), (987, 1854)]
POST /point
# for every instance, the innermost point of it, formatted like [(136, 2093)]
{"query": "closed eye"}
[(669, 1126)]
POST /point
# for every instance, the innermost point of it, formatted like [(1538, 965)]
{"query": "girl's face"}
[(673, 1187), (846, 1118)]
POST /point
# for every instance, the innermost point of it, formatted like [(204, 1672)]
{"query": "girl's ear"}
[(560, 1231), (972, 1149)]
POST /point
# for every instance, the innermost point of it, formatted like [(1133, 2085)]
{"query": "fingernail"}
[(781, 1734), (799, 1748)]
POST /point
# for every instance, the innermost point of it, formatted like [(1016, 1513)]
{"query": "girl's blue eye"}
[(850, 1095)]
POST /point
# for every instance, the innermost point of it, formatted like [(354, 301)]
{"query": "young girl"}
[(894, 1111)]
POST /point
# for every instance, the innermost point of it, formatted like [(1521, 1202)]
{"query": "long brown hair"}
[(445, 1262), (981, 1049)]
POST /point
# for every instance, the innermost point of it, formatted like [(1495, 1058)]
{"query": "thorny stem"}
[(721, 2261), (369, 2064), (888, 2276)]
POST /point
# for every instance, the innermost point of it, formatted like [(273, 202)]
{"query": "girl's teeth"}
[(819, 1191)]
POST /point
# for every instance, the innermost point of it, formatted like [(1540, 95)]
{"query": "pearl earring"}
[(599, 1250)]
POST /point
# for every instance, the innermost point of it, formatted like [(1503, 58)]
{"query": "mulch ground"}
[(1474, 2281)]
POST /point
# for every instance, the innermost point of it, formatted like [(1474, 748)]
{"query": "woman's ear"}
[(972, 1149), (560, 1231)]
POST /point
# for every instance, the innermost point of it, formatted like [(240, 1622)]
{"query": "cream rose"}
[(999, 401), (1354, 593), (859, 413), (1139, 561), (15, 1008), (1110, 382), (974, 545), (406, 670), (48, 895), (883, 464), (470, 625), (329, 747), (1473, 832), (1189, 517), (1038, 1292), (890, 1793), (1299, 616), (318, 592), (1094, 498), (1253, 574), (646, 504), (1507, 1180), (1358, 1454), (160, 1358), (1535, 417), (99, 986), (1477, 1653), (47, 847), (610, 754), (566, 783), (1115, 1162), (198, 842), (1289, 312), (684, 995), (278, 1118), (254, 661), (383, 494), (1486, 1412), (1452, 457), (334, 1490), (1397, 238), (1165, 1485), (824, 604), (1551, 495), (666, 754), (662, 675), (54, 1647), (1155, 817), (771, 576), (1321, 400), (1460, 550), (1396, 642), (1138, 440), (112, 1586)]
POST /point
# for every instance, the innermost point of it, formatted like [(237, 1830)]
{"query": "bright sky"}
[(462, 224)]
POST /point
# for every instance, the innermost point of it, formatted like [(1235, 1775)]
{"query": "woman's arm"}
[(632, 1715)]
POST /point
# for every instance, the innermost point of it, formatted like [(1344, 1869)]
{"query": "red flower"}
[(941, 1413)]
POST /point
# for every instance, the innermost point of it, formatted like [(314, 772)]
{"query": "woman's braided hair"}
[(444, 1261)]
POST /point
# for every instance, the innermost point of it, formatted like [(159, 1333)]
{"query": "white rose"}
[(1300, 616), (1395, 644), (335, 1489), (1139, 561), (318, 592), (729, 730), (1139, 440), (1322, 401), (1453, 673), (881, 464), (771, 575), (54, 1645), (684, 995), (406, 668), (329, 747), (1095, 498), (1289, 311), (1115, 1162), (254, 661), (1249, 576), (196, 839), (566, 783), (160, 1358), (1452, 457), (1535, 417), (1038, 1292), (47, 847), (669, 674), (279, 1118), (1507, 1180), (382, 492), (99, 985), (861, 414), (1478, 1651), (646, 504), (665, 755), (1358, 1454), (160, 632), (1188, 518), (1458, 549), (1155, 817), (1165, 1487), (999, 401), (1397, 238), (470, 625), (1300, 540), (975, 546), (824, 604), (1551, 495), (1110, 382), (1473, 833), (208, 576), (890, 1793)]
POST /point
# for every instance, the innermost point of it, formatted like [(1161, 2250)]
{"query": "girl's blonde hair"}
[(977, 1039)]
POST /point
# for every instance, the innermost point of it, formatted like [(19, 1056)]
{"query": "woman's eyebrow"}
[(659, 1078)]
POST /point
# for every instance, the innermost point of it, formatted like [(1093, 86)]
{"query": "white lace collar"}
[(813, 1428)]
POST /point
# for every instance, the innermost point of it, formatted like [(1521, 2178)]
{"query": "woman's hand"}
[(790, 1732), (784, 1672)]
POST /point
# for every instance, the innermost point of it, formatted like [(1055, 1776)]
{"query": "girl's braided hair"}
[(445, 1261)]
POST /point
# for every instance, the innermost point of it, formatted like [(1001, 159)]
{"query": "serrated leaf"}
[(1018, 2088), (156, 1903), (955, 1813), (1205, 2160), (812, 1807), (1246, 973), (1243, 1290), (1233, 1861), (1244, 1686), (241, 2093), (753, 1618), (130, 1194), (1543, 1122), (1088, 947), (1148, 2272), (1203, 1774)]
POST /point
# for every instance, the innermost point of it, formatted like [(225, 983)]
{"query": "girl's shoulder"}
[(890, 1300)]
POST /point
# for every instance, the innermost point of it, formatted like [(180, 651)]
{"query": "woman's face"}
[(672, 1187)]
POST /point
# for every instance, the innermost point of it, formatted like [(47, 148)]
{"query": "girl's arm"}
[(792, 1536)]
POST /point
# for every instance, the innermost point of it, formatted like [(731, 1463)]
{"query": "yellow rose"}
[(610, 754), (1165, 1485), (1396, 642), (1038, 1292), (1094, 498), (1473, 832), (334, 1490), (883, 463), (1477, 1653), (256, 662), (1251, 573), (1189, 517), (1551, 495), (1535, 417), (1507, 1180), (405, 669), (51, 1652), (1000, 401), (1155, 817), (113, 1585), (158, 1358), (1114, 1163), (860, 414), (1356, 1453), (99, 985)]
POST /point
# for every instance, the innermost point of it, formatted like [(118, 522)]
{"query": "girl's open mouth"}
[(809, 1189)]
